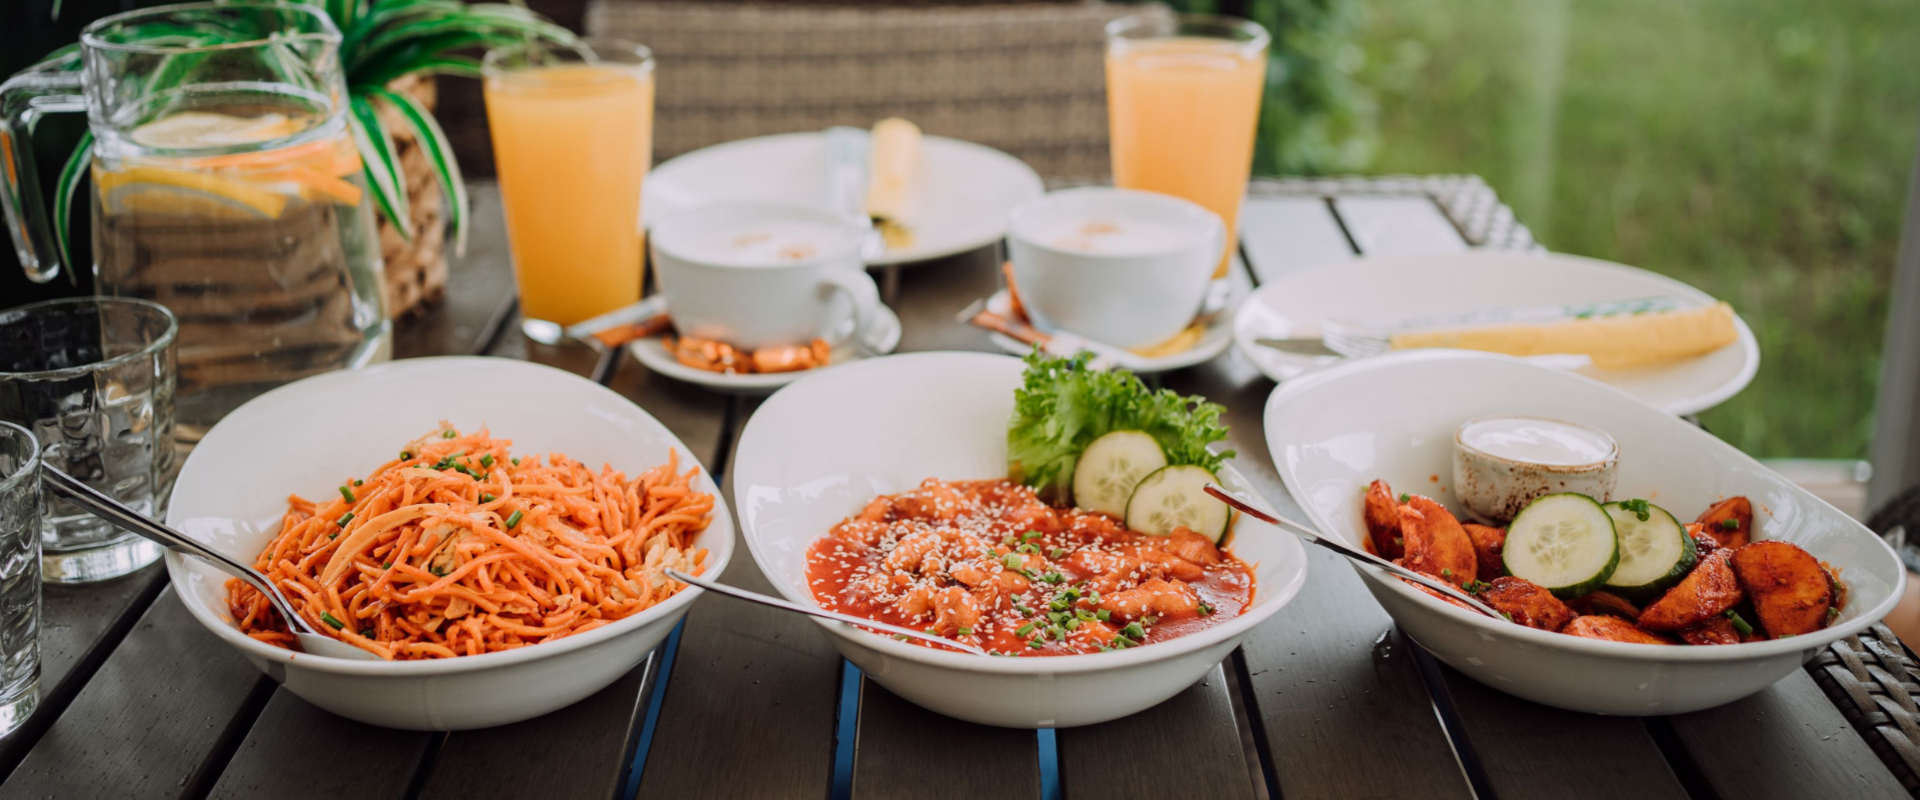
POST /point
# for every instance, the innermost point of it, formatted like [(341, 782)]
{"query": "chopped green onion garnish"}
[(406, 455), (388, 565), (328, 618), (448, 434), (486, 460), (1149, 619), (487, 498), (1640, 509), (513, 519), (1446, 573), (358, 482), (1206, 610), (1012, 561), (1056, 632), (1786, 636), (1024, 611), (333, 536), (1103, 615), (1073, 623), (901, 636), (366, 633), (1036, 644), (1027, 548), (1729, 524), (1053, 577), (344, 519), (516, 461), (1023, 630), (1058, 605), (1057, 552), (1082, 613), (1832, 613), (1057, 616), (1133, 631), (966, 631), (1029, 536), (347, 492), (1738, 623), (1403, 497)]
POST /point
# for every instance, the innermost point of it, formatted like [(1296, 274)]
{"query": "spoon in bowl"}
[(1361, 556), (126, 519), (721, 588)]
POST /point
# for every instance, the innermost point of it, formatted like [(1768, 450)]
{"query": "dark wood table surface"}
[(1326, 699)]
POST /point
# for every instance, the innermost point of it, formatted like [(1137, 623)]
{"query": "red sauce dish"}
[(989, 564)]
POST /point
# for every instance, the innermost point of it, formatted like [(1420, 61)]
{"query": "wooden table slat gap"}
[(1258, 746), (58, 689), (221, 753), (1692, 778), (650, 719), (496, 326), (1448, 714), (423, 768), (1333, 208)]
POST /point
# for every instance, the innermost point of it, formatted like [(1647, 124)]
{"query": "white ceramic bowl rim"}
[(1268, 600), (1173, 206), (1581, 644), (719, 552), (663, 234)]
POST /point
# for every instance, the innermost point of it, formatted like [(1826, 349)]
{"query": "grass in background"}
[(1757, 149)]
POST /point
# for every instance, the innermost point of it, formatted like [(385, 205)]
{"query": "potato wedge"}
[(1613, 629), (1705, 593), (1790, 589), (1718, 630), (1605, 602), (1436, 544), (1527, 603), (1729, 522), (1487, 542), (1383, 521)]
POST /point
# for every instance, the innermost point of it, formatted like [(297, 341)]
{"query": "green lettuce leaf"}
[(1063, 406)]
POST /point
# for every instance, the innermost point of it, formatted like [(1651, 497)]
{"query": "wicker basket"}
[(416, 271)]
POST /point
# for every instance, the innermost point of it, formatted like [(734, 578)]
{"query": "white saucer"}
[(1217, 338), (1408, 285), (960, 202), (652, 352)]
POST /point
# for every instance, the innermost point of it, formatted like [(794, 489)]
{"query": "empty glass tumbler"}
[(93, 380), (19, 576)]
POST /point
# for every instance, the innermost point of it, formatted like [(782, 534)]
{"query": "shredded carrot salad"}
[(460, 548)]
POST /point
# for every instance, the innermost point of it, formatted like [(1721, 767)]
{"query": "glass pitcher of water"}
[(226, 187)]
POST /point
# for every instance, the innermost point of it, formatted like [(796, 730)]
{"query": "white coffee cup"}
[(756, 275), (1122, 267)]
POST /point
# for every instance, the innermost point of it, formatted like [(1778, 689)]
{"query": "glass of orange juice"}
[(572, 142), (1183, 100)]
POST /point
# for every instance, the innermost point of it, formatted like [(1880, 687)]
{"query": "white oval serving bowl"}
[(304, 437), (1393, 417), (822, 447)]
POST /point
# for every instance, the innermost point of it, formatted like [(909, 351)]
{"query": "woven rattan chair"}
[(1027, 79)]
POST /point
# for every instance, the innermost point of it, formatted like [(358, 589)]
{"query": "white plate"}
[(1409, 285), (1217, 338), (305, 436), (652, 352), (960, 202), (1392, 417), (818, 450)]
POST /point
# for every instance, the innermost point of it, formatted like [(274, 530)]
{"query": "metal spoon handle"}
[(822, 613), (1342, 548), (126, 519)]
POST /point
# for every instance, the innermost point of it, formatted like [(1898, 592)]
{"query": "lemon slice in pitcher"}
[(184, 193), (208, 129)]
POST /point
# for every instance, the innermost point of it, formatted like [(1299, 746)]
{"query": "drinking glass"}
[(572, 142), (92, 378), (1183, 101), (226, 186), (19, 576)]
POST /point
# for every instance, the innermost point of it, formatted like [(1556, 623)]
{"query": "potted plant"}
[(390, 51)]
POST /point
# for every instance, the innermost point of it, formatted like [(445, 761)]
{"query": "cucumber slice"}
[(1110, 467), (1172, 497), (1654, 554), (1564, 542)]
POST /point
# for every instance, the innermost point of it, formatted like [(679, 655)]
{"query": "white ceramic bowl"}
[(818, 450), (304, 437), (1393, 417)]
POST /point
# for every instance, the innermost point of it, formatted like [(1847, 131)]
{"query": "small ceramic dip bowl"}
[(1502, 462)]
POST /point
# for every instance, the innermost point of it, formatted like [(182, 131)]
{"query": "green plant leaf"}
[(388, 13), (490, 24), (63, 193), (433, 141), (381, 165)]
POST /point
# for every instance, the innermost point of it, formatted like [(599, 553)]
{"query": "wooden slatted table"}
[(1327, 699)]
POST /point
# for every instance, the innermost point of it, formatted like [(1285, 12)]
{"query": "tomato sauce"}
[(989, 564)]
